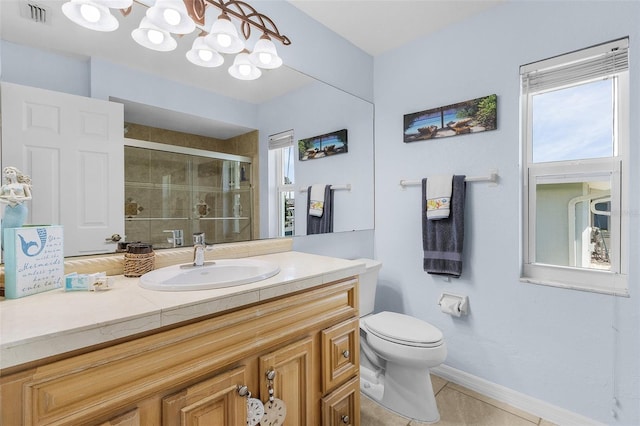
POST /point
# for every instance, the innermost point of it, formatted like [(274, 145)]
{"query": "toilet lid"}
[(403, 329)]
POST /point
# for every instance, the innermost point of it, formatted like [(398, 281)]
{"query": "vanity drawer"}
[(340, 353), (342, 406)]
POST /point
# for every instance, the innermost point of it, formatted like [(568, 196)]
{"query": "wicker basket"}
[(138, 264)]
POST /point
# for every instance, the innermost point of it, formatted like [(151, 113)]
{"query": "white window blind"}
[(588, 64), (281, 140)]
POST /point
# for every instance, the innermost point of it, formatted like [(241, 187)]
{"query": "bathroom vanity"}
[(132, 356)]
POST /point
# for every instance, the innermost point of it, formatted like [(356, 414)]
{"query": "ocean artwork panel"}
[(473, 116), (323, 146)]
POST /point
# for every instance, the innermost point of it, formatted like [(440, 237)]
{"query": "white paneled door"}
[(73, 149)]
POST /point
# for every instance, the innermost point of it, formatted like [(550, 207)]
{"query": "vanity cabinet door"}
[(340, 353), (292, 381), (212, 402), (342, 406), (131, 418)]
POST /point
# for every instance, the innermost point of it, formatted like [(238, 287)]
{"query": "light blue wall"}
[(575, 350), (45, 70), (109, 80)]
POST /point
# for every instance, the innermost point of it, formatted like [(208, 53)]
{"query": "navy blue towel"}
[(442, 239)]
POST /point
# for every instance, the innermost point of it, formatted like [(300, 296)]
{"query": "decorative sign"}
[(323, 146), (33, 260), (476, 115)]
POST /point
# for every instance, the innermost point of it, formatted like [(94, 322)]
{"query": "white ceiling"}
[(359, 21)]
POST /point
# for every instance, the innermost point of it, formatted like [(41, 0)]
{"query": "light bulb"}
[(205, 55), (155, 36), (172, 16), (224, 40), (90, 13), (152, 37), (202, 55), (264, 54), (244, 69), (265, 58)]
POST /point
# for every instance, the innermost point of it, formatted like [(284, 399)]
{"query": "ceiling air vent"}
[(34, 12)]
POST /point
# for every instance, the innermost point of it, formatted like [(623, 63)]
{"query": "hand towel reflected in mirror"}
[(320, 213)]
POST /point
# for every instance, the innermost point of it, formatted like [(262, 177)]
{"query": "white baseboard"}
[(531, 405)]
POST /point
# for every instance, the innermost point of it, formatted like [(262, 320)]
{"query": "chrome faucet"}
[(198, 249)]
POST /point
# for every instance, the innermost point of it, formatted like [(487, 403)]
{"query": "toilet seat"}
[(403, 329)]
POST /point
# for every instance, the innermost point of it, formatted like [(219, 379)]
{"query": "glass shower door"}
[(192, 192)]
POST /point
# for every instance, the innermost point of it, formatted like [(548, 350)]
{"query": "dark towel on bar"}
[(324, 223), (442, 239)]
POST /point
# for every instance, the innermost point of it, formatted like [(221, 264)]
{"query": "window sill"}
[(622, 291)]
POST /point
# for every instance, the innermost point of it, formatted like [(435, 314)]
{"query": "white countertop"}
[(55, 322)]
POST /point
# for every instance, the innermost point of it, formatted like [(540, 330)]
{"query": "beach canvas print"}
[(476, 115), (323, 146)]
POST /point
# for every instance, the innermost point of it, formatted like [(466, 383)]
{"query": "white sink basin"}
[(215, 274)]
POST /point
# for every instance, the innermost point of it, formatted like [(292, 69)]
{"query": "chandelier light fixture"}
[(213, 18)]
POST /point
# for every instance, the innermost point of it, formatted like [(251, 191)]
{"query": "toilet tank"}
[(368, 285)]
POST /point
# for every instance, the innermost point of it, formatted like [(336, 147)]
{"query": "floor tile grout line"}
[(440, 390)]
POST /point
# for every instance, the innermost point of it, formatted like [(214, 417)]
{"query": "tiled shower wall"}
[(151, 201)]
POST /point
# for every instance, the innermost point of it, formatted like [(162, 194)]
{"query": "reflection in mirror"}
[(171, 194), (198, 103), (314, 110)]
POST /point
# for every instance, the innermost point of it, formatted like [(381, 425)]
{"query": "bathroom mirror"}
[(57, 56)]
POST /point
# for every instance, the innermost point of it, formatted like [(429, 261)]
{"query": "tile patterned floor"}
[(458, 407)]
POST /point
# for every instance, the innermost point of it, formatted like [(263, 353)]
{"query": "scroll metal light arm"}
[(248, 16)]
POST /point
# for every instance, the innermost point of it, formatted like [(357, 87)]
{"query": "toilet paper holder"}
[(454, 304)]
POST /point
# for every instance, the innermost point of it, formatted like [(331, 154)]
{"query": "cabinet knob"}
[(345, 419), (243, 391), (346, 353), (271, 374)]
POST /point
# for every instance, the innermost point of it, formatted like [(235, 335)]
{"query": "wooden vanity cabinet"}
[(189, 374)]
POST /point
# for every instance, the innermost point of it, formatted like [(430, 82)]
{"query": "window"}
[(574, 145), (281, 180)]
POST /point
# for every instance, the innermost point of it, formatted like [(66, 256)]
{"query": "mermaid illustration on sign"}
[(14, 192), (31, 248)]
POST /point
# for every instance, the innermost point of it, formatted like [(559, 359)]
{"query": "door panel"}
[(73, 149)]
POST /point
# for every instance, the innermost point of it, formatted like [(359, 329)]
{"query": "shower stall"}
[(170, 188)]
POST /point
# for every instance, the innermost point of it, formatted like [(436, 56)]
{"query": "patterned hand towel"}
[(442, 239), (316, 199), (438, 197)]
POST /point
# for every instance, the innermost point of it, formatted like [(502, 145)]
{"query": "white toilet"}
[(396, 352)]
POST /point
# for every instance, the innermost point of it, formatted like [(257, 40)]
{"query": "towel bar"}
[(346, 186), (492, 178)]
